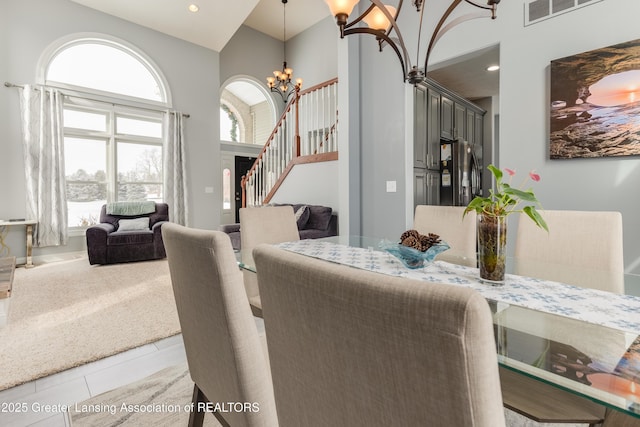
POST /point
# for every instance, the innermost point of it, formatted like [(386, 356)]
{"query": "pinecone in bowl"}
[(421, 242)]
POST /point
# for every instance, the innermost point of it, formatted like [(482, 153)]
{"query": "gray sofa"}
[(313, 222)]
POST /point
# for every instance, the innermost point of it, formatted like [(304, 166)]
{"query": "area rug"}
[(68, 313), (162, 399)]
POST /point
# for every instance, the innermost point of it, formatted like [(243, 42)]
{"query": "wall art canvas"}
[(595, 103)]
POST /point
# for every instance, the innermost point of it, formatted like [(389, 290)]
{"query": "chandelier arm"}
[(440, 30), (421, 9), (383, 36), (481, 6), (450, 9), (458, 20), (392, 19), (394, 26), (360, 18), (278, 91)]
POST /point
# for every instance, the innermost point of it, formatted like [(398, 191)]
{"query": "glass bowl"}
[(410, 257)]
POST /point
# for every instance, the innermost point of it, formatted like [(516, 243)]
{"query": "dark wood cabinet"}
[(420, 127), (460, 121), (440, 114), (433, 129), (447, 108)]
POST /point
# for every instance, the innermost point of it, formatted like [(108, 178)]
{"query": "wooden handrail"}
[(318, 86), (273, 133), (296, 143)]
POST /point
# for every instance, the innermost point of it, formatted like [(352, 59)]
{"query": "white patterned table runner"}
[(590, 305)]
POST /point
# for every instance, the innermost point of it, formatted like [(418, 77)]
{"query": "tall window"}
[(113, 152)]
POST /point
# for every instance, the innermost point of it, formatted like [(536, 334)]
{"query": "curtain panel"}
[(43, 147), (175, 170)]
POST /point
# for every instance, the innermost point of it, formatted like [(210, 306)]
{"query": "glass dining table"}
[(585, 341)]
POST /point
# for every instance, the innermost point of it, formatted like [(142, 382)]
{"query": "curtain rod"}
[(8, 84)]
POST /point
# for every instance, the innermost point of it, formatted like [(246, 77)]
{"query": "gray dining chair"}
[(226, 358), (448, 223), (268, 224), (350, 347), (582, 248)]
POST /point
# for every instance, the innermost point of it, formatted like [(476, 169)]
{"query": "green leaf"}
[(527, 196), (476, 205), (536, 217), (497, 173)]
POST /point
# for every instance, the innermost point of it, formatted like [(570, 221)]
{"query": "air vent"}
[(539, 10)]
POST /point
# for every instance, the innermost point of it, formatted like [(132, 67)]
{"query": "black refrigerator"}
[(459, 173)]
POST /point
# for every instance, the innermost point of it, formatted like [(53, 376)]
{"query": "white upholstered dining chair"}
[(448, 223), (268, 224), (350, 347), (581, 248), (227, 359)]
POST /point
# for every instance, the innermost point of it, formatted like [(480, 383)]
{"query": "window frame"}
[(81, 98), (112, 138), (71, 40)]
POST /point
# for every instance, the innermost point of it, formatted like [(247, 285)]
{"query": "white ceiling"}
[(468, 75), (217, 21)]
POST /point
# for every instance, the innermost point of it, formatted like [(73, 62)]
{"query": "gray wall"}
[(191, 71), (194, 75), (251, 53), (382, 130), (525, 53), (379, 137), (313, 53)]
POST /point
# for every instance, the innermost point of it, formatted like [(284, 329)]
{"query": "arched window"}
[(113, 150), (105, 66), (245, 104)]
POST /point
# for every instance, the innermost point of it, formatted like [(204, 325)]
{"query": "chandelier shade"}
[(281, 82), (380, 21)]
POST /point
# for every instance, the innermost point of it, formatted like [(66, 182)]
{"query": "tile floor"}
[(81, 383), (86, 381)]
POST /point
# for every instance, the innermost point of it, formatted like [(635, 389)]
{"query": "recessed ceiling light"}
[(193, 8), (493, 68)]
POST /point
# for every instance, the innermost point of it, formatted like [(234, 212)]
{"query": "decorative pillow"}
[(133, 224), (319, 217), (302, 216)]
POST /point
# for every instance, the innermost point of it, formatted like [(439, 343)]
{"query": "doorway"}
[(242, 166)]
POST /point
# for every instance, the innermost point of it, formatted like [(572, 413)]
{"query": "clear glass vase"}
[(492, 247)]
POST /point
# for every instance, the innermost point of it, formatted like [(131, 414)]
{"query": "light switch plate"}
[(208, 190), (391, 186)]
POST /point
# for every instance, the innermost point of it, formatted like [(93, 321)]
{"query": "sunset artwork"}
[(595, 103)]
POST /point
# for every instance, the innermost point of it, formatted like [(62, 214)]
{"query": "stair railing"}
[(307, 127)]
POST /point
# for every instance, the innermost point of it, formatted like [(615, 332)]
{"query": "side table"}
[(7, 269), (4, 228)]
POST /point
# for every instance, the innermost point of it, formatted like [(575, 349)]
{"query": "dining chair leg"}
[(196, 418), (221, 420)]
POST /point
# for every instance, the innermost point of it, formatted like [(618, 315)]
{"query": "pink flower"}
[(511, 172), (534, 176)]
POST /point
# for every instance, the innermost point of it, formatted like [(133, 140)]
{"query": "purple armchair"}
[(107, 243)]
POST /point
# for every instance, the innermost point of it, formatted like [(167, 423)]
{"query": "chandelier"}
[(281, 80), (381, 22)]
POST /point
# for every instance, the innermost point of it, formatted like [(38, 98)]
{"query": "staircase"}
[(305, 133)]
